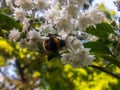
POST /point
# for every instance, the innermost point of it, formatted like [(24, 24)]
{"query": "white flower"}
[(31, 45), (83, 21), (32, 34), (14, 35), (78, 58), (25, 4), (71, 10), (76, 54), (92, 38), (63, 23), (95, 14), (19, 14), (25, 24), (51, 14), (60, 20), (41, 4), (63, 34), (9, 3), (73, 43), (92, 16), (80, 3), (47, 29)]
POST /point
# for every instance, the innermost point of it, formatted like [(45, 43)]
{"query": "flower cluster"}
[(76, 55), (62, 17)]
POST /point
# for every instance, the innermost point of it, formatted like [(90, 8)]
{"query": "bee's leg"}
[(50, 57)]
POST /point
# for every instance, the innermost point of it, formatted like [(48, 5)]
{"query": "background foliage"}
[(35, 72)]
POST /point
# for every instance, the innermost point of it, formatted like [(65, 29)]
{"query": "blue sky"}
[(108, 3)]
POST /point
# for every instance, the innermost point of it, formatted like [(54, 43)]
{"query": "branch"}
[(20, 70), (103, 69)]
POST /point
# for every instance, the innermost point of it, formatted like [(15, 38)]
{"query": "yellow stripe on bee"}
[(57, 41), (44, 46)]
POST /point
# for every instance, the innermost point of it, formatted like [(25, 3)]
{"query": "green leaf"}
[(8, 23), (111, 59), (6, 11), (102, 30), (97, 48)]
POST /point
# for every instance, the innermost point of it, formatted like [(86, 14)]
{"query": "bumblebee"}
[(53, 45)]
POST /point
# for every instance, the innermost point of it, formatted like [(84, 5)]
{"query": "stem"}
[(115, 50), (108, 65), (104, 70)]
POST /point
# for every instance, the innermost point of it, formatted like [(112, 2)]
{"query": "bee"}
[(53, 45)]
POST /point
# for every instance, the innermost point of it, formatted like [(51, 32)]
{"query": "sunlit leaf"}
[(102, 30), (8, 23), (98, 48), (5, 11)]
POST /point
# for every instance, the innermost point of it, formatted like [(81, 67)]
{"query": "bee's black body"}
[(53, 44)]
